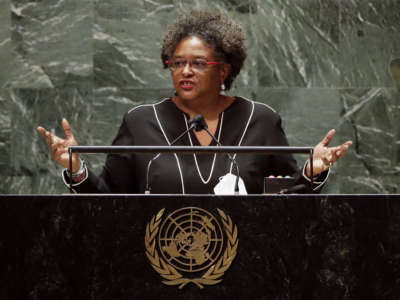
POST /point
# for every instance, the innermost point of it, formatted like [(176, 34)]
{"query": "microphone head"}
[(198, 123)]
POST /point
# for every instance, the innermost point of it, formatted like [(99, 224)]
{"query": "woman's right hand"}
[(59, 146)]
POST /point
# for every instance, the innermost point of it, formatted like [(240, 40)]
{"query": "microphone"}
[(193, 124), (294, 189), (201, 124)]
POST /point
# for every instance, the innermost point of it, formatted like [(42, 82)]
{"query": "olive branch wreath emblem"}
[(172, 277)]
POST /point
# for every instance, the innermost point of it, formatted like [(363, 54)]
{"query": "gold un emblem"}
[(190, 246)]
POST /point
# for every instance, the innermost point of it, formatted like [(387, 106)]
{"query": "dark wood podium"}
[(206, 247)]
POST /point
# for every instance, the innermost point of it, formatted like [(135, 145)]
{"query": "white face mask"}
[(226, 185)]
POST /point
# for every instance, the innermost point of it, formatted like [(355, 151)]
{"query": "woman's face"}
[(192, 81)]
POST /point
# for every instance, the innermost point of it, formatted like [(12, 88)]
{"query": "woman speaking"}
[(204, 53)]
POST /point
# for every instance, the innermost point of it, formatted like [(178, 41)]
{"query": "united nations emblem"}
[(190, 246)]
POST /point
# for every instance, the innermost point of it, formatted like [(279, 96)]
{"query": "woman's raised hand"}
[(324, 157), (59, 146)]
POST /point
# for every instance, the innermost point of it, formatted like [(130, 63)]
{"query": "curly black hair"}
[(220, 32)]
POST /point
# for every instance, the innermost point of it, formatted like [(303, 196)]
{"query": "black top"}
[(243, 123)]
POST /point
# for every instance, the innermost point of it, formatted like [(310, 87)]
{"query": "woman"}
[(204, 52)]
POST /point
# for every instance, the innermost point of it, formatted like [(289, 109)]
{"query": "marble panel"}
[(5, 40), (312, 54), (128, 37), (31, 165), (5, 133), (11, 64), (297, 43), (127, 41), (368, 117), (307, 116), (369, 40), (289, 44), (53, 41), (371, 119), (96, 122)]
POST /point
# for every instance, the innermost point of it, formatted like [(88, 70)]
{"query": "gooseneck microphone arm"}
[(201, 124), (193, 124)]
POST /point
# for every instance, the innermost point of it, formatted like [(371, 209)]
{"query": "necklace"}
[(215, 154)]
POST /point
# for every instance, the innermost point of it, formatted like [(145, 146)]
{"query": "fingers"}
[(342, 149), (56, 144), (47, 135), (51, 138), (41, 130), (59, 147), (335, 153), (58, 151), (325, 157), (326, 163), (67, 128), (328, 137)]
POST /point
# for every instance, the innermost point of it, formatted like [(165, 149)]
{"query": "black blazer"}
[(243, 123)]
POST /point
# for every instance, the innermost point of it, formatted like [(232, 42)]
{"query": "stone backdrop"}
[(320, 63)]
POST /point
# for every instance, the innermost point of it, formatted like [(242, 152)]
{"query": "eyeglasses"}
[(195, 64)]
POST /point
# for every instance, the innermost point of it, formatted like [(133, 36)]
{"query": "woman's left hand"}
[(324, 157)]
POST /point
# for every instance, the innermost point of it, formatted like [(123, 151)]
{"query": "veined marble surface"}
[(321, 64)]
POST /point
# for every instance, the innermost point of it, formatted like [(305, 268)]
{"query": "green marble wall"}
[(320, 63)]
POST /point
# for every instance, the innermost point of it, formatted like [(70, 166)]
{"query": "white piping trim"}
[(169, 144), (63, 175), (262, 103), (319, 183), (215, 154), (266, 106), (245, 129), (144, 105)]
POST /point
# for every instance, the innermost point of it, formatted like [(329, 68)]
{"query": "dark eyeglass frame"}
[(190, 62)]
